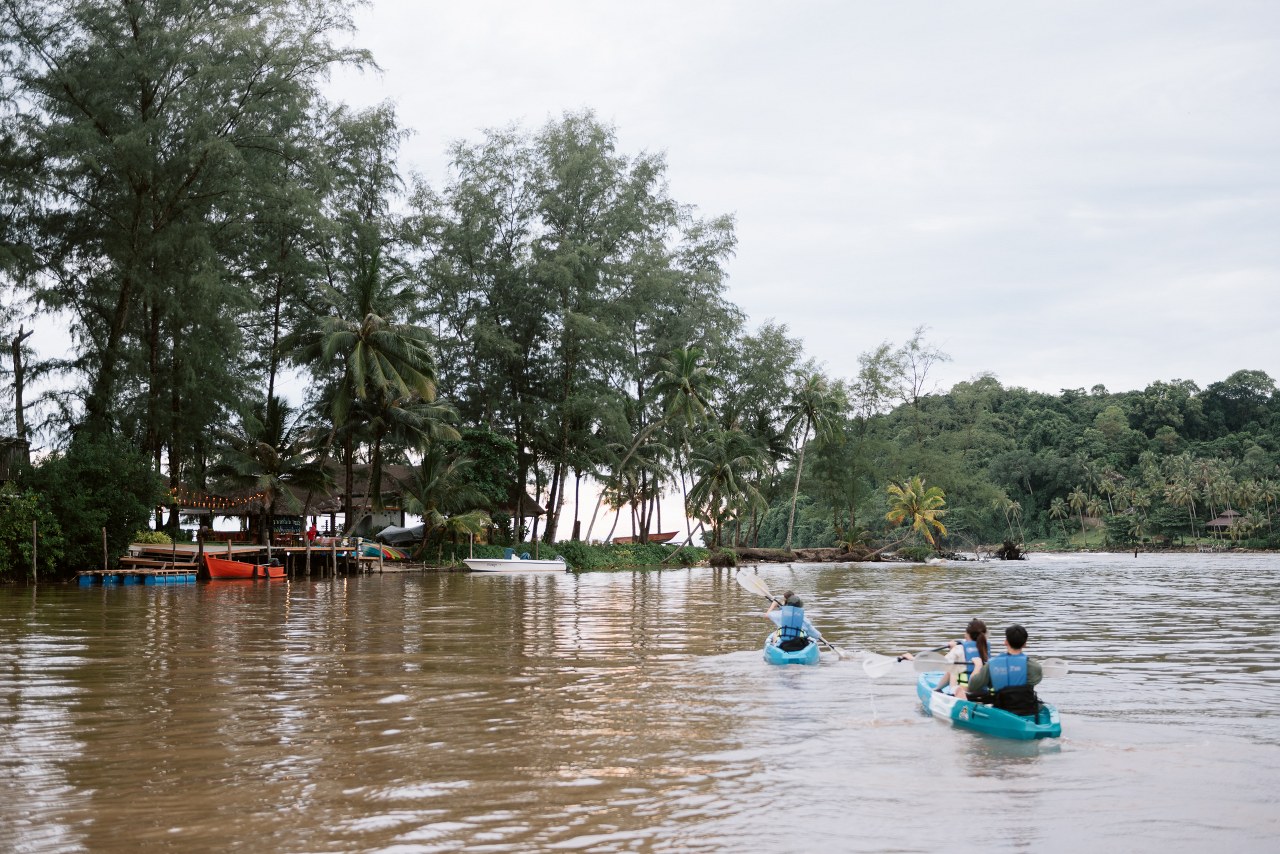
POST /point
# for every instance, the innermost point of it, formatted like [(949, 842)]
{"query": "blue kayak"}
[(774, 654), (980, 717)]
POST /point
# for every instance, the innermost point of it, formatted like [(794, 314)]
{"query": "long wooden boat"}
[(664, 537), (220, 568)]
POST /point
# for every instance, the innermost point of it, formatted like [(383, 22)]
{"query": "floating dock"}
[(107, 577)]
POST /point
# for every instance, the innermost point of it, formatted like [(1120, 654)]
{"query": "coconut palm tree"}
[(919, 506), (407, 422), (270, 452), (722, 469), (1015, 512), (816, 407), (1058, 510), (1182, 493), (684, 385), (439, 489), (1078, 499), (363, 352)]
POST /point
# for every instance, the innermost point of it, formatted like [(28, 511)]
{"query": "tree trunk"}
[(795, 491), (19, 420)]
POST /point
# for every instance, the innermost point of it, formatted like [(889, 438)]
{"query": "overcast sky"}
[(1064, 193)]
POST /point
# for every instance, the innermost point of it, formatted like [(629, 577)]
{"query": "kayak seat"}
[(793, 645)]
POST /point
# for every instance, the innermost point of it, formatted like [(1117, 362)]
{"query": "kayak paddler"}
[(795, 628)]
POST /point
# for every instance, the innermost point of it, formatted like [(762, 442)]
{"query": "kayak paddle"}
[(876, 665), (931, 662), (756, 585)]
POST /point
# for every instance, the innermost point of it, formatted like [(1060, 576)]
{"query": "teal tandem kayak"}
[(983, 718), (775, 654)]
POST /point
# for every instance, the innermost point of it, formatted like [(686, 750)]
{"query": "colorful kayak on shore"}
[(980, 717), (775, 654)]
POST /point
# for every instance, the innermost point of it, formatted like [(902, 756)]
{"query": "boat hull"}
[(664, 537), (221, 569), (497, 564), (983, 718), (774, 654)]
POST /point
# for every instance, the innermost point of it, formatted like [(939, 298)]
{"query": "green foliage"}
[(101, 482), (156, 538), (723, 558), (583, 557), (917, 553), (491, 472), (18, 510)]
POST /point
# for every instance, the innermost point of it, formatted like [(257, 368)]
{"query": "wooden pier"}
[(179, 563)]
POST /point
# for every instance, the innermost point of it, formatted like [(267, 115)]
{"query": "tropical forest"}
[(254, 297)]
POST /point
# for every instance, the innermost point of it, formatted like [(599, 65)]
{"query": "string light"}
[(207, 501)]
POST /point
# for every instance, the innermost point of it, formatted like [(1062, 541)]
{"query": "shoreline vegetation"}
[(272, 320), (586, 557)]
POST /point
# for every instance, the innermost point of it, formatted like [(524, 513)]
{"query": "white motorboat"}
[(515, 564)]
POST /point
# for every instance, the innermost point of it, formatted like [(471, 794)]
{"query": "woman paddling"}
[(972, 652), (794, 627)]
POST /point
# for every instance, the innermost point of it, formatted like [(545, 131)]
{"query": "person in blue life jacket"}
[(794, 627), (1007, 681), (973, 652)]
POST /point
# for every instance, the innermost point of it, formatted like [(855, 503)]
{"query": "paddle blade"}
[(876, 666), (753, 583)]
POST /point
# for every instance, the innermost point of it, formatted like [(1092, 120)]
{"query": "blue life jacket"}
[(792, 622), (1007, 671), (972, 655), (972, 660)]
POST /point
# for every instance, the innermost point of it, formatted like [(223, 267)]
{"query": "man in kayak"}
[(788, 615), (1007, 681)]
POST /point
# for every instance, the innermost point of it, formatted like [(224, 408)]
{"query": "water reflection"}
[(625, 711)]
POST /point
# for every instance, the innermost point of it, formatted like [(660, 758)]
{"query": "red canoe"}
[(664, 537), (220, 567)]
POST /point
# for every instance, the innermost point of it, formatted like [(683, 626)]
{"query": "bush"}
[(101, 482), (18, 510), (155, 538), (724, 557), (918, 554)]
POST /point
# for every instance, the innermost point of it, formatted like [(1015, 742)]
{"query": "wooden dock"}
[(179, 563)]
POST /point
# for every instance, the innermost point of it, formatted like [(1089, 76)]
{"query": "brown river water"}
[(634, 712)]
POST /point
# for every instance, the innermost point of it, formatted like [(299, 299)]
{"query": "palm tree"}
[(722, 470), (1182, 493), (1015, 511), (816, 407), (684, 386), (1058, 510), (440, 489), (269, 453), (919, 506), (1078, 499), (376, 358), (1270, 491), (1004, 504), (407, 421), (1094, 507)]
